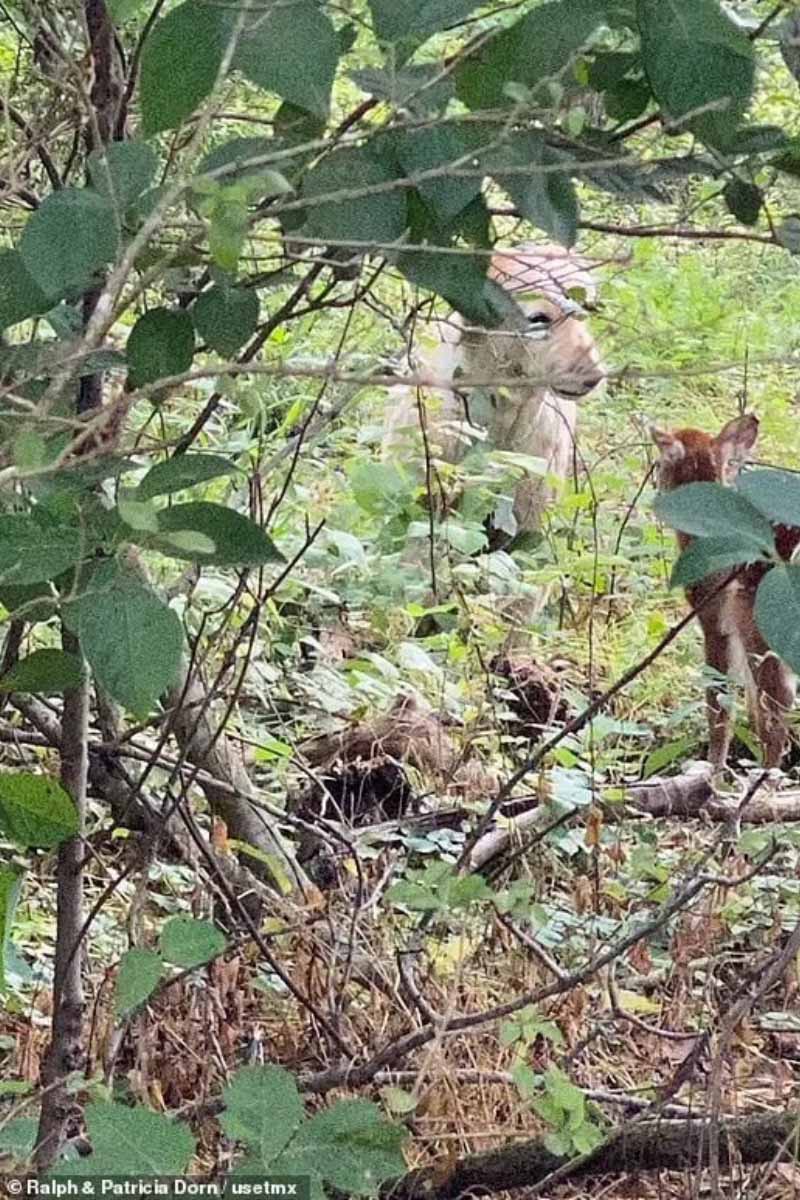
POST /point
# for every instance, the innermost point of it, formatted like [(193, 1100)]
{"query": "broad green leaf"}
[(398, 1100), (627, 99), (70, 237), (132, 640), (461, 280), (378, 487), (535, 49), (187, 942), (710, 510), (35, 810), (180, 63), (744, 200), (263, 1109), (226, 318), (229, 222), (140, 515), (35, 548), (544, 195), (160, 344), (396, 20), (696, 58), (137, 978), (238, 541), (376, 217), (233, 154), (292, 50), (34, 601), (11, 877), (436, 148), (705, 555), (190, 544), (774, 493), (182, 471), (18, 1137), (132, 1141), (352, 1146), (44, 672), (777, 612), (123, 10), (122, 171), (420, 87), (665, 756), (20, 295)]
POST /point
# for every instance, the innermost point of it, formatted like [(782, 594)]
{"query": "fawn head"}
[(691, 456)]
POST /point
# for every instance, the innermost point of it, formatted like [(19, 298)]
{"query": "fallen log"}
[(666, 1145)]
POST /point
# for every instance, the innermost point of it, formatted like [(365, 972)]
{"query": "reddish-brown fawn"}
[(733, 643)]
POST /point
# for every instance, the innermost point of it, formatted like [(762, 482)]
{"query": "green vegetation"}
[(275, 788)]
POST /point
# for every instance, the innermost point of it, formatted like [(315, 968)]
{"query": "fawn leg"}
[(775, 688), (720, 726)]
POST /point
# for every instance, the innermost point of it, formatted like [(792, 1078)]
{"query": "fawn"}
[(733, 642)]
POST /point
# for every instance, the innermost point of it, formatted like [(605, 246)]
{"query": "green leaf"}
[(377, 217), (160, 344), (461, 280), (233, 154), (352, 1146), (263, 1109), (743, 199), (666, 755), (189, 943), (378, 486), (238, 541), (705, 555), (45, 672), (544, 195), (535, 49), (710, 510), (229, 222), (36, 810), (69, 238), (628, 99), (20, 295), (137, 978), (123, 10), (437, 147), (420, 87), (122, 171), (292, 51), (132, 1141), (399, 1101), (35, 548), (394, 20), (180, 63), (18, 1137), (11, 877), (774, 493), (182, 471), (226, 318), (140, 515), (34, 601), (132, 640), (777, 612), (695, 58)]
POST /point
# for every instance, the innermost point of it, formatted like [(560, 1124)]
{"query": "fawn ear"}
[(737, 437), (670, 447)]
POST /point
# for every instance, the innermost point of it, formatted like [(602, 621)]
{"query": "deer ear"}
[(738, 436), (670, 447)]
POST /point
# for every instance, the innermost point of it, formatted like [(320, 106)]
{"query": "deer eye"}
[(539, 322)]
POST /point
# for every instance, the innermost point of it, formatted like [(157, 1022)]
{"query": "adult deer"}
[(733, 643), (554, 358)]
